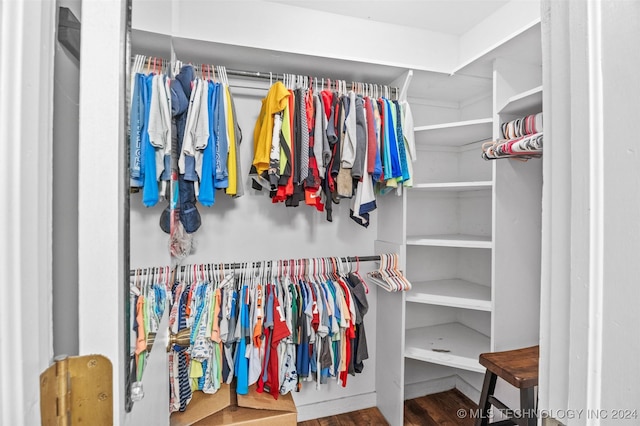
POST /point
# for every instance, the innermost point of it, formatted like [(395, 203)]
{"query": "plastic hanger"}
[(133, 287), (357, 274), (378, 277)]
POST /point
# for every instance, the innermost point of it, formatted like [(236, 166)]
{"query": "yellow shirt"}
[(274, 102), (232, 189)]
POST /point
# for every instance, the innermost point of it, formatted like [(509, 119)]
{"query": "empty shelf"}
[(453, 292), (451, 240), (454, 186), (458, 133), (452, 344), (529, 102)]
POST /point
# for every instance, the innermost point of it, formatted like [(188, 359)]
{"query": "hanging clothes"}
[(277, 331), (324, 146), (187, 125)]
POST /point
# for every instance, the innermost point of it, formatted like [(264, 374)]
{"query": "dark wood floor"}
[(440, 409)]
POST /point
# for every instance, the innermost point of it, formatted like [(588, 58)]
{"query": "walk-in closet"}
[(465, 227), (282, 211)]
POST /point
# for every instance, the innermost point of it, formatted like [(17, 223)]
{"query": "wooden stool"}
[(518, 367)]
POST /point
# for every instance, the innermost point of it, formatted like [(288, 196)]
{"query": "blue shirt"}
[(207, 195)]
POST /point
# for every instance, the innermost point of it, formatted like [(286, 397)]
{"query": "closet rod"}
[(271, 76), (239, 265)]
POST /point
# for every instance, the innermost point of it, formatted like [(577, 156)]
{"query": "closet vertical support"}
[(404, 81)]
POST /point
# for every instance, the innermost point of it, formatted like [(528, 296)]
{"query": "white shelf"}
[(529, 102), (462, 345), (458, 133), (453, 292), (451, 240), (454, 186)]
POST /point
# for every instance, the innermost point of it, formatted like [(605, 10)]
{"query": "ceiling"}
[(447, 16)]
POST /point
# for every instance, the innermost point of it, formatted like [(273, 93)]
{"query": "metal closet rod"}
[(265, 75), (274, 76), (239, 265)]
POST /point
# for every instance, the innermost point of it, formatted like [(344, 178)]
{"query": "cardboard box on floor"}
[(225, 407)]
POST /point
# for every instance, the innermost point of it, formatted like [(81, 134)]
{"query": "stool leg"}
[(527, 405), (487, 389)]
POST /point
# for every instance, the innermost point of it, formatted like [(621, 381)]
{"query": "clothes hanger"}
[(148, 282), (377, 277), (340, 269), (333, 272), (396, 274), (262, 273), (133, 286), (325, 268), (357, 274), (401, 275), (316, 269), (322, 269), (166, 282), (389, 274)]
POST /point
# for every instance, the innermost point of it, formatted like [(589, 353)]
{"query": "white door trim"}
[(101, 207), (596, 206), (27, 37)]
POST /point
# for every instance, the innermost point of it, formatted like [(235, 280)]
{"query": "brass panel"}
[(49, 397), (77, 391)]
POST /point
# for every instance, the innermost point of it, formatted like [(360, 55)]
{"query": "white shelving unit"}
[(452, 292), (527, 102), (454, 186), (455, 133), (449, 220), (450, 240), (472, 237), (451, 344)]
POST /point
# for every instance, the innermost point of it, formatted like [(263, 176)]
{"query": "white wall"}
[(26, 117), (324, 34), (589, 341), (410, 48), (621, 227), (65, 194), (506, 22)]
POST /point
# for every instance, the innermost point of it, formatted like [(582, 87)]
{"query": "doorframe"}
[(27, 47), (573, 259), (103, 267)]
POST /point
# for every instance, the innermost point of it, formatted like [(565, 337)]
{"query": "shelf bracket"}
[(403, 82)]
